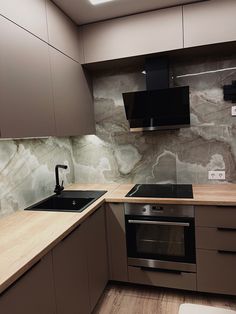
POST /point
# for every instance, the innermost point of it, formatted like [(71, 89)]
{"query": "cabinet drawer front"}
[(181, 280), (215, 216), (216, 238), (216, 272)]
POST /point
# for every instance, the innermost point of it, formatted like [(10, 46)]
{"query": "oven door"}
[(161, 242)]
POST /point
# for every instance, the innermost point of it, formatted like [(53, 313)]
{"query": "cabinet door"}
[(134, 35), (30, 14), (97, 255), (216, 271), (32, 293), (71, 274), (26, 108), (209, 22), (73, 102), (63, 33), (115, 218)]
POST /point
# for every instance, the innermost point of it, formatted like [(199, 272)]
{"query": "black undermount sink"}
[(68, 201)]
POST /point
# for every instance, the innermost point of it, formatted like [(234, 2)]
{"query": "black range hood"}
[(159, 107)]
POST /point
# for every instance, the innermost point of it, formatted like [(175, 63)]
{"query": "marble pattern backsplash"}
[(116, 155), (177, 156), (27, 170)]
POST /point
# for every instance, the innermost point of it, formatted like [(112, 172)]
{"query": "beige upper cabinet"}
[(25, 84), (73, 102), (33, 292), (63, 34), (135, 35), (30, 14), (209, 22)]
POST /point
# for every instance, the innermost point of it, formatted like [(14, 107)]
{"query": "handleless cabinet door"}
[(33, 293), (29, 14), (134, 35), (63, 34), (116, 238), (209, 22), (73, 102), (26, 108), (71, 274), (97, 255)]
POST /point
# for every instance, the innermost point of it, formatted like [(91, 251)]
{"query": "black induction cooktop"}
[(162, 191)]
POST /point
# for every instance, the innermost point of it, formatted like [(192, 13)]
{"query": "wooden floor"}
[(133, 299)]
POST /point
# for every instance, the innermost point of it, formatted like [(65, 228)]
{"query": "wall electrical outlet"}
[(216, 175), (233, 110)]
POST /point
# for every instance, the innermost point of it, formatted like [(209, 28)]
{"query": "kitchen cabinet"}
[(71, 273), (116, 239), (73, 102), (63, 34), (161, 278), (134, 35), (29, 14), (26, 108), (96, 255), (33, 292), (216, 249), (209, 22), (216, 271)]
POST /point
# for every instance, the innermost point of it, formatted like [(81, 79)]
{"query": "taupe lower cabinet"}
[(216, 249), (97, 255), (73, 102), (33, 293), (25, 84), (116, 239), (71, 273), (80, 266), (68, 280)]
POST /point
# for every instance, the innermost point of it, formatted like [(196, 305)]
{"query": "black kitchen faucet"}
[(58, 187)]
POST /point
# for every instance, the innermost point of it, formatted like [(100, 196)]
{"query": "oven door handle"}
[(160, 223)]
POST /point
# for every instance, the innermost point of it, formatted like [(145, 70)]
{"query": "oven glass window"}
[(160, 240)]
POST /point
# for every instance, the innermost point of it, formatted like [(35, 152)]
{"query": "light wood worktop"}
[(27, 236), (222, 194)]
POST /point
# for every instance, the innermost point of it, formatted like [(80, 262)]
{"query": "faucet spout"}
[(58, 187)]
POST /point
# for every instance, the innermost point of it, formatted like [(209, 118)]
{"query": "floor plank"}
[(135, 299)]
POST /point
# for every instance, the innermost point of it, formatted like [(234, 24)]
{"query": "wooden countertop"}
[(220, 194), (26, 236)]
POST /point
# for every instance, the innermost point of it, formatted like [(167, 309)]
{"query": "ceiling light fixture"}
[(95, 2)]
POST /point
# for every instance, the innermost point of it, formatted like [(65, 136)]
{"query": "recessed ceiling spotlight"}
[(95, 2), (144, 72)]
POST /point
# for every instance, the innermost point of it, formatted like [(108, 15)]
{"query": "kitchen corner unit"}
[(96, 241)]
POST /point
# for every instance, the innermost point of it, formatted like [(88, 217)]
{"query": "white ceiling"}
[(83, 12)]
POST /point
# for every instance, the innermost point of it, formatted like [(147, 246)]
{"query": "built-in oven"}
[(161, 236)]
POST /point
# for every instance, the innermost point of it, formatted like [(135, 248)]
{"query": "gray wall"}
[(115, 154)]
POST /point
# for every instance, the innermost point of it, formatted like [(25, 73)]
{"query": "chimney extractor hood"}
[(159, 107)]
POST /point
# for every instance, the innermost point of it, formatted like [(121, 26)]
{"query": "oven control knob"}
[(144, 210)]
